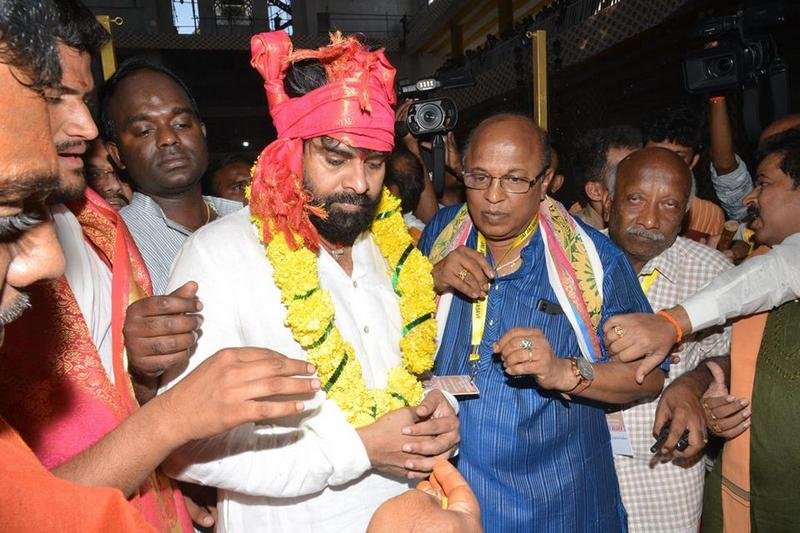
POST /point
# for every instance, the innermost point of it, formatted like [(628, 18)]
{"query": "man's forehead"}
[(344, 146)]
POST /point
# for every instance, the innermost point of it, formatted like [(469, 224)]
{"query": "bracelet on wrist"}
[(678, 329)]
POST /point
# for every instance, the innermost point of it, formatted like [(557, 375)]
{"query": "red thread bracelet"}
[(671, 319)]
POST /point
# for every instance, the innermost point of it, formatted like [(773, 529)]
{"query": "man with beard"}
[(314, 244), (70, 396), (103, 178), (650, 194), (155, 135)]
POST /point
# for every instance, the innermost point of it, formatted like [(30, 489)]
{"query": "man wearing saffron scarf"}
[(525, 292), (70, 397), (317, 267)]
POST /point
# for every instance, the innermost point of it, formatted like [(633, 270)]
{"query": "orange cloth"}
[(746, 337), (53, 388), (36, 500), (705, 219)]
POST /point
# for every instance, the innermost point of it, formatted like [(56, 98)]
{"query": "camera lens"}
[(430, 116), (721, 67)]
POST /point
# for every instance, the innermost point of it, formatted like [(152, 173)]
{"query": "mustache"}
[(349, 198), (20, 304), (752, 213), (66, 145), (645, 234)]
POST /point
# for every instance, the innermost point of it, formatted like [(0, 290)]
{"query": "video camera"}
[(743, 51), (433, 117), (738, 53)]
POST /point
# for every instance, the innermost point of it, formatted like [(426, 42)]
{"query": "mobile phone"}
[(681, 445)]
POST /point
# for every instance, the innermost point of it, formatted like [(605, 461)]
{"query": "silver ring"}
[(526, 344)]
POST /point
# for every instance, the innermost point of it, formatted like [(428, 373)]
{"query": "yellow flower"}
[(310, 317)]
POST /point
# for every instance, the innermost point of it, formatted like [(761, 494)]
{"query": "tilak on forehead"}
[(354, 107)]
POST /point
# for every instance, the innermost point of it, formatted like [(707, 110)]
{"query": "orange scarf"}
[(54, 389)]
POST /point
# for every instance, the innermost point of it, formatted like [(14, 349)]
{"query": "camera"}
[(742, 55), (432, 116)]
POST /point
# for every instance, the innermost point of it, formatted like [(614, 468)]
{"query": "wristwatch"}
[(584, 372)]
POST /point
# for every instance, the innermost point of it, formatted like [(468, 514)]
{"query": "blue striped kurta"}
[(535, 461)]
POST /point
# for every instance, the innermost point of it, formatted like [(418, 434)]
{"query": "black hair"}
[(27, 40), (592, 149), (126, 69), (544, 137), (405, 171), (78, 28), (787, 144), (303, 77), (675, 125), (209, 184)]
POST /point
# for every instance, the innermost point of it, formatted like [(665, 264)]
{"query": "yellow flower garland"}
[(310, 316)]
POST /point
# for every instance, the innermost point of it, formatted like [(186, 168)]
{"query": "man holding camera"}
[(524, 292)]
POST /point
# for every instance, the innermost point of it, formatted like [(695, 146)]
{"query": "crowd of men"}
[(165, 319)]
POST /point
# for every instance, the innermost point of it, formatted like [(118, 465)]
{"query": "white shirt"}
[(89, 278), (731, 188), (759, 284), (308, 472)]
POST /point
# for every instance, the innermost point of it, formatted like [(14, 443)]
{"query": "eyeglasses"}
[(509, 182), (96, 173)]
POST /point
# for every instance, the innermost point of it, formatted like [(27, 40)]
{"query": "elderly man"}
[(103, 178), (526, 291), (753, 484), (303, 270), (650, 195)]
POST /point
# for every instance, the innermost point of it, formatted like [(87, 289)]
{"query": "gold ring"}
[(716, 428), (526, 344), (462, 274), (619, 331)]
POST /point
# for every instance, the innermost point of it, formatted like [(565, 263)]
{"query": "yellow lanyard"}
[(647, 280), (479, 306)]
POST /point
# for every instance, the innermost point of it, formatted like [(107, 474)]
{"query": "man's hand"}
[(526, 351), (385, 441), (444, 503), (159, 331), (400, 115), (725, 415), (680, 406), (439, 422), (463, 270), (234, 387), (639, 335)]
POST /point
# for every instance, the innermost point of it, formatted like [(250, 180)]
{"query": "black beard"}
[(343, 227), (63, 195)]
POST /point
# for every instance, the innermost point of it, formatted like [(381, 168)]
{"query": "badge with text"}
[(620, 440), (456, 385)]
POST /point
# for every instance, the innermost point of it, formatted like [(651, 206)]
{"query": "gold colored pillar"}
[(107, 57), (539, 57)]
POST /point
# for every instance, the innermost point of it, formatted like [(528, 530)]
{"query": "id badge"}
[(458, 386), (620, 440)]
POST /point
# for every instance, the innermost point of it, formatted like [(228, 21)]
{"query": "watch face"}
[(585, 368)]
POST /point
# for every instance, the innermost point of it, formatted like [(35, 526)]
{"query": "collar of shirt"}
[(147, 204)]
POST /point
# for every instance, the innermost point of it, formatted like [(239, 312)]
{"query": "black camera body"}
[(432, 116), (743, 52)]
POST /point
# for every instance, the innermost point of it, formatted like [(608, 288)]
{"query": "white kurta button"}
[(355, 284), (366, 329)]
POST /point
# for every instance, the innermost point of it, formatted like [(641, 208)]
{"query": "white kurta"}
[(308, 472), (89, 278)]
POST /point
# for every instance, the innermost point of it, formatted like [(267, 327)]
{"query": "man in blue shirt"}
[(525, 292)]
